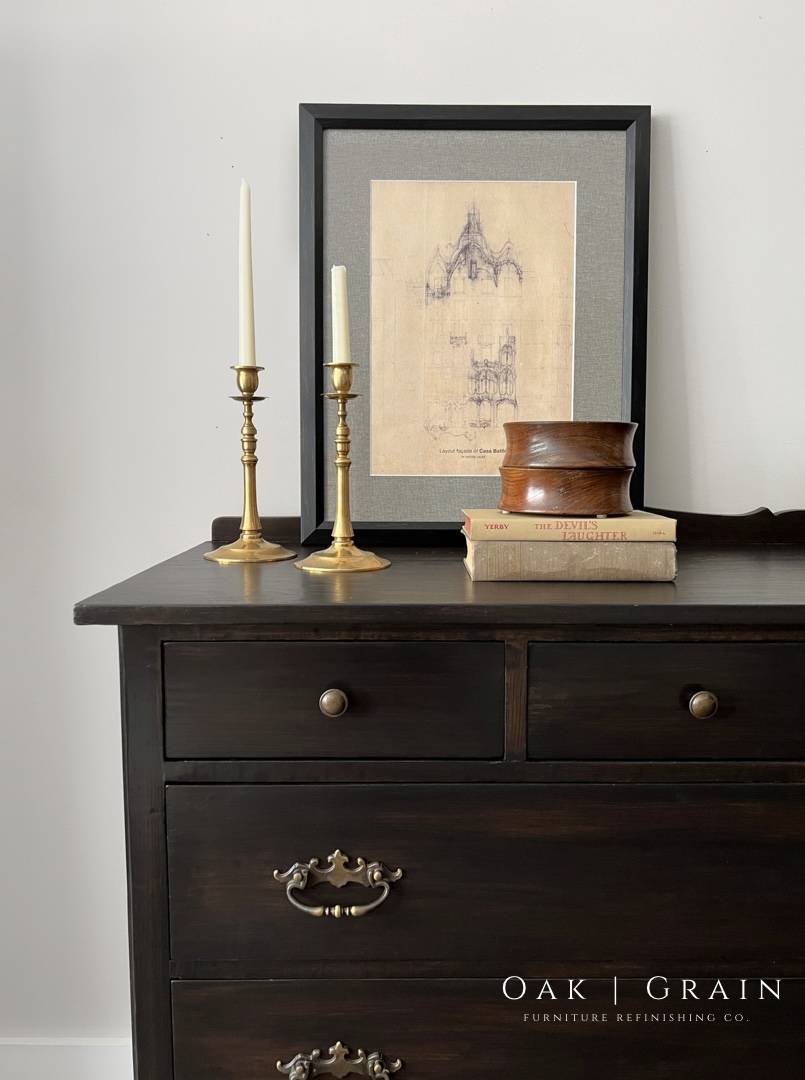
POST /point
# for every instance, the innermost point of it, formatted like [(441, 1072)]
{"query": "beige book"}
[(525, 560), (498, 525)]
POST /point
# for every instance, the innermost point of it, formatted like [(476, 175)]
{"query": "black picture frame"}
[(314, 120)]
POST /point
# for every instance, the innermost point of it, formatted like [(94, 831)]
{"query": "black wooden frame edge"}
[(311, 323), (314, 119), (511, 117), (635, 300)]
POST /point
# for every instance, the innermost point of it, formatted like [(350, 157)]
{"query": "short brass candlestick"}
[(251, 547), (342, 555)]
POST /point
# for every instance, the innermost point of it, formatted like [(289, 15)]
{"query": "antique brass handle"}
[(373, 875), (333, 703), (339, 1063), (703, 705)]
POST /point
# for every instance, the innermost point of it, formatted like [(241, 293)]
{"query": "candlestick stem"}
[(342, 555), (342, 526), (250, 528), (250, 547)]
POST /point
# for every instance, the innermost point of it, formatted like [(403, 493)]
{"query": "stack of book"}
[(528, 547)]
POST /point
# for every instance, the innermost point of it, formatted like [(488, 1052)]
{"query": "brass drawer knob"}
[(703, 705), (333, 703), (373, 875), (339, 1063)]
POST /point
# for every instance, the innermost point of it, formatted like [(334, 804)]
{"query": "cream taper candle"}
[(246, 351), (340, 316)]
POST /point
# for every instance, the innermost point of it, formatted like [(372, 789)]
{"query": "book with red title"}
[(637, 526)]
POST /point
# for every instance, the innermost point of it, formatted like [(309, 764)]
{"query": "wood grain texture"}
[(630, 701), (512, 771), (516, 698), (564, 873), (406, 699), (366, 967), (579, 492), (750, 587), (569, 444), (457, 1029), (149, 948)]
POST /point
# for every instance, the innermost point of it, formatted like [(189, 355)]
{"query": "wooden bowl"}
[(567, 467), (569, 444)]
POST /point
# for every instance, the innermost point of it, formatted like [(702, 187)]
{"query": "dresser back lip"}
[(760, 526)]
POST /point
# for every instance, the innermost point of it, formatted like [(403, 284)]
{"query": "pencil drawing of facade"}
[(472, 256), (472, 319), (484, 394), (493, 386), (488, 398)]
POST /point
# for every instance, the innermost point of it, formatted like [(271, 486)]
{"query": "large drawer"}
[(451, 1029), (403, 699), (555, 873), (636, 701)]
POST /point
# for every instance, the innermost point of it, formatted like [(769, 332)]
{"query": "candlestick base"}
[(249, 551), (342, 557)]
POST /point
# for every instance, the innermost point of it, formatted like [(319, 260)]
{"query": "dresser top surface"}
[(429, 586)]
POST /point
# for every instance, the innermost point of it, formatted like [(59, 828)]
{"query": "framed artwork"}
[(497, 260)]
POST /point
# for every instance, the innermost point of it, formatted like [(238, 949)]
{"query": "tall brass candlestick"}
[(251, 547), (342, 555)]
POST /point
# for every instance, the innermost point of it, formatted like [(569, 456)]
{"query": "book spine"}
[(575, 561), (569, 530)]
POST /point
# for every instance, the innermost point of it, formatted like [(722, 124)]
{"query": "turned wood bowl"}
[(567, 467)]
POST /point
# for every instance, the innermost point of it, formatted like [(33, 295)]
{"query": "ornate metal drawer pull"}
[(373, 875), (339, 1063)]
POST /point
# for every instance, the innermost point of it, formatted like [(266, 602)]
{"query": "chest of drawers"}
[(355, 805)]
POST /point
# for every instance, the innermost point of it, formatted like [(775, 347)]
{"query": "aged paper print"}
[(472, 319)]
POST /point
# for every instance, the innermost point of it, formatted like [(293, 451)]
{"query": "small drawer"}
[(560, 873), (455, 1029), (639, 701), (262, 699)]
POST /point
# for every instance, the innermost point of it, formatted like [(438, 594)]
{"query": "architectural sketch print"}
[(472, 319), (472, 256), (490, 397)]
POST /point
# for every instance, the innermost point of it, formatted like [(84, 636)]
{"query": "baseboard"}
[(65, 1059)]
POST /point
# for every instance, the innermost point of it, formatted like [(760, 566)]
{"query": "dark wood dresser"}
[(356, 805)]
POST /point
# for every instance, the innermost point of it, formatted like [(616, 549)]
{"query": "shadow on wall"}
[(669, 477)]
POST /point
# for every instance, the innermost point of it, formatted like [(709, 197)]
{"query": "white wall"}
[(126, 129)]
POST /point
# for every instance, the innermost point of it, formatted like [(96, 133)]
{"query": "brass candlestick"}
[(251, 547), (342, 555)]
